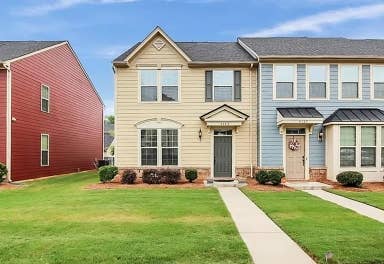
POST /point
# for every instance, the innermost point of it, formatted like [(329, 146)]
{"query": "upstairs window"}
[(44, 150), (378, 82), (349, 82), (45, 98), (347, 146), (368, 146), (223, 85), (284, 82), (159, 85), (317, 81)]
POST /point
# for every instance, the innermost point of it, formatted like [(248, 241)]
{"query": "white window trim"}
[(213, 86), (41, 150), (294, 82), (48, 99), (159, 86), (359, 84), (372, 82), (327, 82)]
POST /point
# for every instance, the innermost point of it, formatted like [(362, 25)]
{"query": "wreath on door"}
[(294, 145)]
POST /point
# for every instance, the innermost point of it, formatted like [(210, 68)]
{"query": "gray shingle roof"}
[(206, 51), (299, 112), (332, 47), (14, 49), (356, 115)]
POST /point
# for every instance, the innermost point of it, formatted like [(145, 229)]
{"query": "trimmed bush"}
[(151, 176), (3, 172), (350, 178), (128, 177), (170, 176), (107, 173), (191, 174), (275, 176), (262, 176)]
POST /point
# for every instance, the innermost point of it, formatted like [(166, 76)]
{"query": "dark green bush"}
[(350, 178), (3, 172), (191, 174), (275, 176), (151, 176), (170, 176), (262, 176), (107, 173), (128, 177)]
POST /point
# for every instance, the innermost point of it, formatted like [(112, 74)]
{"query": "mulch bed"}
[(254, 185), (197, 184), (366, 187)]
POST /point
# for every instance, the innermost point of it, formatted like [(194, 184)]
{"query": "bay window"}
[(284, 81), (347, 146), (159, 85), (368, 146), (349, 75), (223, 85), (378, 82), (159, 147), (317, 81)]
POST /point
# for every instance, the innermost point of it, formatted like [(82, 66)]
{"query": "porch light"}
[(200, 134), (321, 135)]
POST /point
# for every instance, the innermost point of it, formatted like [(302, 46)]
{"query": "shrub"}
[(191, 174), (151, 176), (3, 172), (107, 173), (275, 176), (350, 178), (128, 177), (262, 176), (170, 176)]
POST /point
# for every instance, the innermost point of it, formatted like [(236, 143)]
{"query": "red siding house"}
[(51, 116)]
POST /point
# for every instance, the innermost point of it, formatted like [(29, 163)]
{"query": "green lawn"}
[(319, 227), (57, 221), (372, 198)]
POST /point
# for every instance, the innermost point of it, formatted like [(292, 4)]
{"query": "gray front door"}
[(223, 154)]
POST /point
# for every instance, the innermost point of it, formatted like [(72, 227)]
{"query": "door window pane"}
[(284, 90), (223, 85)]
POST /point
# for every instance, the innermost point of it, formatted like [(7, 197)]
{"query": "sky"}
[(100, 30)]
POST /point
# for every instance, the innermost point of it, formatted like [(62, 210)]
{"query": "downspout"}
[(8, 155), (250, 120)]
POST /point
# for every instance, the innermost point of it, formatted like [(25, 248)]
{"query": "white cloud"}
[(47, 7), (316, 23), (109, 107)]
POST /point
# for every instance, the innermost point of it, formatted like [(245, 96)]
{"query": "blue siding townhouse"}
[(321, 103)]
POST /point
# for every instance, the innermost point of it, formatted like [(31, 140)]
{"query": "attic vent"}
[(159, 44)]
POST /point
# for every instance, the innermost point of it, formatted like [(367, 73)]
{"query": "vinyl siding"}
[(74, 123), (3, 114), (192, 105), (271, 140)]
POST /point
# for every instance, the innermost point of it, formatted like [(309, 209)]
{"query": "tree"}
[(111, 119)]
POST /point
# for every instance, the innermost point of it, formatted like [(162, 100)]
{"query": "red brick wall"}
[(74, 123), (3, 113)]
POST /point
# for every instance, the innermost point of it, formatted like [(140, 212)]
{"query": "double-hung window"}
[(159, 85), (382, 146), (159, 147), (223, 85), (378, 82), (44, 98), (347, 146), (368, 146), (317, 81), (349, 75), (284, 81), (44, 150)]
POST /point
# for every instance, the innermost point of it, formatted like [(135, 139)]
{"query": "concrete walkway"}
[(358, 207), (266, 242)]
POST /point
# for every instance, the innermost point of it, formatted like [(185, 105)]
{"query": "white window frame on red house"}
[(41, 150)]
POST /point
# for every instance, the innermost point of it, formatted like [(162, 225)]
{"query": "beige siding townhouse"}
[(186, 105)]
